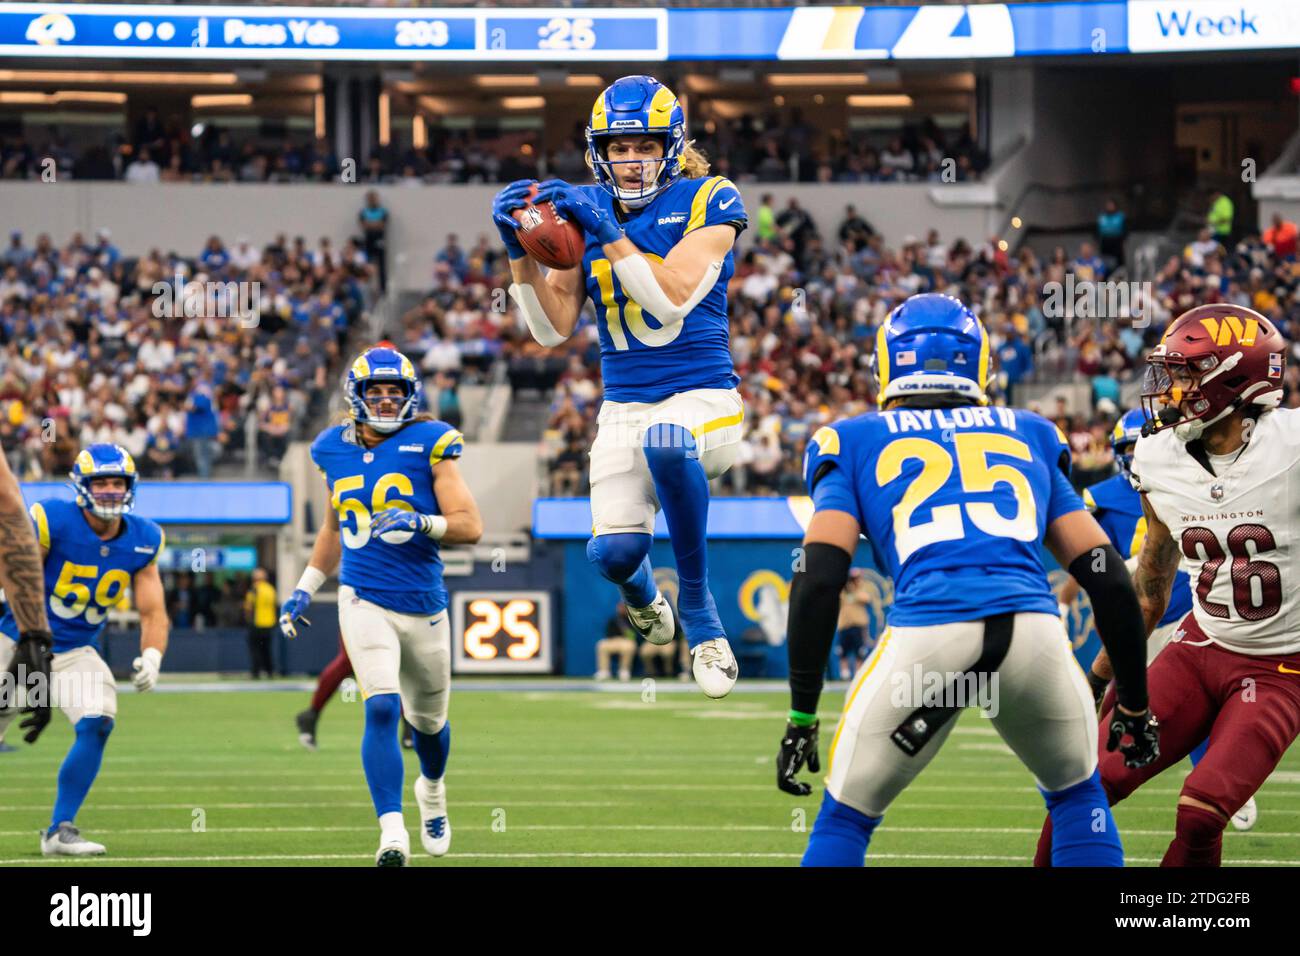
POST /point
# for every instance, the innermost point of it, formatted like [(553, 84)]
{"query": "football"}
[(548, 237)]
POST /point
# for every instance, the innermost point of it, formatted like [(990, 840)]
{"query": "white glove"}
[(145, 669)]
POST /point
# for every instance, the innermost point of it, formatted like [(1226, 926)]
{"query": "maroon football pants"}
[(1248, 706), (335, 672)]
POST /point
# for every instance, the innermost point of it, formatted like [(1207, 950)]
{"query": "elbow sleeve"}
[(639, 282), (1102, 574), (814, 610)]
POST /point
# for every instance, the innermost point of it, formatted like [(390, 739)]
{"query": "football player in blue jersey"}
[(659, 236), (94, 551), (1117, 506), (396, 495), (955, 498)]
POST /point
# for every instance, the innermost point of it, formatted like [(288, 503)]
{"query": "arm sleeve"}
[(814, 610)]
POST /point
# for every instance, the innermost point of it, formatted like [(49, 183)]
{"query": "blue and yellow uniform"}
[(404, 572), (84, 574), (640, 360), (1118, 509), (954, 503)]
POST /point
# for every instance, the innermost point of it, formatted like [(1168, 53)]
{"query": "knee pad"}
[(99, 727), (666, 445), (618, 556), (383, 709)]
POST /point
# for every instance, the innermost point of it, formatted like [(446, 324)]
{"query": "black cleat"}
[(307, 728)]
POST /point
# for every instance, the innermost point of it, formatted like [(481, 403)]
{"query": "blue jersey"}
[(402, 571), (639, 360), (954, 503), (84, 574), (1118, 509)]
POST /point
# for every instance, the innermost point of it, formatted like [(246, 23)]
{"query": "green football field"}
[(548, 777)]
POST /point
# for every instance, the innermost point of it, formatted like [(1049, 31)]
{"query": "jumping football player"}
[(1118, 509), (659, 236), (396, 495), (94, 551), (954, 498), (1219, 473)]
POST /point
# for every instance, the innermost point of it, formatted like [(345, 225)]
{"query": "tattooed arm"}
[(1157, 564), (21, 564)]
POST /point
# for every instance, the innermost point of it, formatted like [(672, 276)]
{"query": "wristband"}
[(311, 580), (435, 526), (800, 719)]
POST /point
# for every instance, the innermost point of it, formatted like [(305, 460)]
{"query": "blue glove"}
[(396, 519), (292, 611), (574, 204), (514, 196)]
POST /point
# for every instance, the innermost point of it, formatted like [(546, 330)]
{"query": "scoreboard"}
[(148, 31), (501, 632)]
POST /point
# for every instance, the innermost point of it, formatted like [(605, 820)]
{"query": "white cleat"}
[(394, 848), (655, 623), (1245, 818), (714, 667), (435, 827), (68, 841)]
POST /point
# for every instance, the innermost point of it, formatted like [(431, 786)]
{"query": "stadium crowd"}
[(806, 304), (183, 360), (774, 147)]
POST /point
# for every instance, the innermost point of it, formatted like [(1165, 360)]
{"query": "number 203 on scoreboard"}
[(501, 632)]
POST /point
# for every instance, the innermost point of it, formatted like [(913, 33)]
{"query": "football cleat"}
[(1245, 818), (655, 623), (714, 667), (307, 728), (435, 828), (408, 735), (394, 848), (68, 841), (6, 748)]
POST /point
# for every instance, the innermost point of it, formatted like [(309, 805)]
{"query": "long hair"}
[(695, 165)]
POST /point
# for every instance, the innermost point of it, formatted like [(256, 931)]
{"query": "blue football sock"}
[(625, 559), (381, 754), (1199, 752), (433, 750), (80, 767), (840, 835), (1083, 830), (683, 489)]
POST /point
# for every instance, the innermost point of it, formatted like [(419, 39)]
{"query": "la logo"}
[(1231, 328)]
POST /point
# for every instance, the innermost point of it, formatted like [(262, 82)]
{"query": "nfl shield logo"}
[(368, 457), (1216, 491), (103, 551)]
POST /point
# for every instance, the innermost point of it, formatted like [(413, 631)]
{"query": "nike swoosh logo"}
[(1286, 670), (724, 205)]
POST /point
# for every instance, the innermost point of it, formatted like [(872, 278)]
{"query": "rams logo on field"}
[(51, 29)]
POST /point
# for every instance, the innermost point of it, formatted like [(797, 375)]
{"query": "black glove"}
[(1145, 731), (798, 746), (33, 656)]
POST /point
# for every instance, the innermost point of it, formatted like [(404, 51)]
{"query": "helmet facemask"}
[(656, 172), (103, 503), (1172, 394), (404, 406)]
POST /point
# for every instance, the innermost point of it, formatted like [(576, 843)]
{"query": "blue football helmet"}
[(1127, 431), (382, 364), (103, 460), (636, 104), (932, 344)]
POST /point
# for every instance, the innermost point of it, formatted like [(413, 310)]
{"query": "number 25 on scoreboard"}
[(501, 632)]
